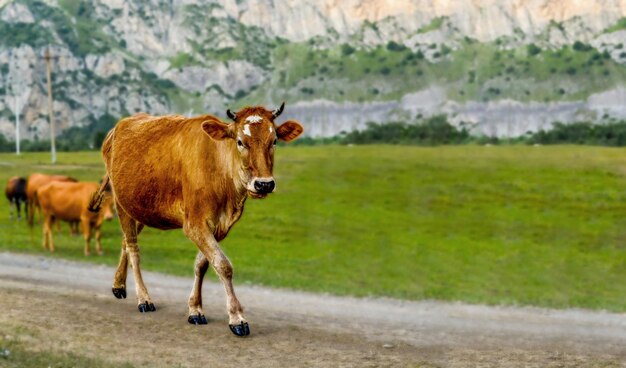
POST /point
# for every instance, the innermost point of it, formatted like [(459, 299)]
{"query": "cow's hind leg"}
[(86, 226), (98, 239), (200, 234), (196, 316), (11, 201), (119, 281), (130, 229)]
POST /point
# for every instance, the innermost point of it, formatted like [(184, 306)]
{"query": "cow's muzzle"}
[(264, 186), (261, 187)]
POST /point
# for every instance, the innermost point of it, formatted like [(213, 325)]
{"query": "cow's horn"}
[(278, 111), (231, 115)]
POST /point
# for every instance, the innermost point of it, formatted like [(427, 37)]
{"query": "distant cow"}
[(173, 172), (36, 181), (16, 194), (69, 201)]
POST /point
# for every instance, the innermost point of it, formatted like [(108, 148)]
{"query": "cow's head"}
[(254, 135)]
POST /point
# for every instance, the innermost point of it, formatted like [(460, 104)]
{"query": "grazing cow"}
[(36, 181), (173, 172), (16, 194), (69, 201)]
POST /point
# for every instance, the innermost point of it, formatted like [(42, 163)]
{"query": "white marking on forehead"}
[(271, 130), (253, 119), (246, 130)]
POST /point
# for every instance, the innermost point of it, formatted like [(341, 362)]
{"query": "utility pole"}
[(53, 149), (17, 124)]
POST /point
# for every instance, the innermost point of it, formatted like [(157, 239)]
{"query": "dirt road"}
[(70, 307)]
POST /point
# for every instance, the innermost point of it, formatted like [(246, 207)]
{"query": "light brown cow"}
[(174, 172), (68, 201), (36, 181), (15, 192)]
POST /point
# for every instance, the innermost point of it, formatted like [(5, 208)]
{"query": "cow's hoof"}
[(199, 319), (146, 307), (119, 293), (241, 329)]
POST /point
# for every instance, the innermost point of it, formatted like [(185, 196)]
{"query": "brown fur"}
[(36, 181), (173, 172), (15, 192), (68, 201)]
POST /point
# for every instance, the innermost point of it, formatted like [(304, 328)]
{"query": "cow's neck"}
[(234, 171), (235, 177)]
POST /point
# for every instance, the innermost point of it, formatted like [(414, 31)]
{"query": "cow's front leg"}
[(196, 317), (204, 239), (74, 228), (19, 209), (48, 241)]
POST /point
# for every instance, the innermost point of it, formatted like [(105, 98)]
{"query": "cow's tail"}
[(95, 202)]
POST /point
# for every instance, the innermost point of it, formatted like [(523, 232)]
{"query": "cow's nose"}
[(264, 186)]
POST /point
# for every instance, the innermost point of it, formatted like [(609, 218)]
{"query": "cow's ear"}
[(289, 130), (216, 129)]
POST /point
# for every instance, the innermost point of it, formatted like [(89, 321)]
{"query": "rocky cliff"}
[(501, 67)]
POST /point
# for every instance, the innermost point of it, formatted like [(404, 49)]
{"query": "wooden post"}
[(17, 124), (53, 149)]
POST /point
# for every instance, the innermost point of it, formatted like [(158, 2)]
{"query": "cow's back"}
[(145, 158), (66, 200), (37, 180)]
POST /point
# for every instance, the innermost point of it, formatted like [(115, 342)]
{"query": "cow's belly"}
[(151, 200), (159, 221), (143, 207), (60, 204), (66, 210)]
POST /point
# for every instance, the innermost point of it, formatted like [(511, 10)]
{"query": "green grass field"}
[(520, 225)]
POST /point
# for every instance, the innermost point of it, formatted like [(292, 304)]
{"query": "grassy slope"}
[(510, 225), (473, 71)]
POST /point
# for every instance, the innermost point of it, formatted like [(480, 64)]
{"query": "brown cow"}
[(36, 181), (15, 192), (69, 201), (173, 172)]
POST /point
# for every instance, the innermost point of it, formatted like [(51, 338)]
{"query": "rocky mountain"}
[(498, 67)]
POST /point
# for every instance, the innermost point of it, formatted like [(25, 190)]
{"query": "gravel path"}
[(71, 306)]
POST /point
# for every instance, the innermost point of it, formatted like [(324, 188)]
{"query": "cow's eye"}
[(239, 143)]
